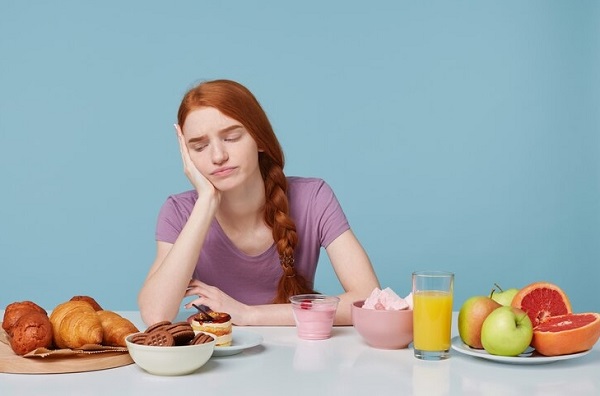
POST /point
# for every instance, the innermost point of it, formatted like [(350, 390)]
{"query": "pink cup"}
[(314, 315)]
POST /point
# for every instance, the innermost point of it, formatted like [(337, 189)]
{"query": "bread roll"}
[(115, 328), (89, 300), (32, 331), (74, 324), (14, 311)]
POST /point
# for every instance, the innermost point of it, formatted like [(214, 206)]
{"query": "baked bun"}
[(89, 300), (75, 324), (14, 311), (33, 330)]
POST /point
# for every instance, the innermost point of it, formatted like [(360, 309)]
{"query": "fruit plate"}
[(241, 340), (530, 356)]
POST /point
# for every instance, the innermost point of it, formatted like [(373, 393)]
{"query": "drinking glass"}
[(432, 314), (314, 315)]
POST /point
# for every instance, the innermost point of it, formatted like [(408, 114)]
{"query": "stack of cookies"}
[(166, 334)]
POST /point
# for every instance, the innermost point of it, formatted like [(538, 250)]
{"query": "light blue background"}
[(458, 135)]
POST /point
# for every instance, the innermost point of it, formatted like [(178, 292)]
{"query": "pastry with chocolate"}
[(216, 323)]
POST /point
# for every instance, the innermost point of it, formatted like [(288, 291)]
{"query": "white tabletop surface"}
[(342, 365)]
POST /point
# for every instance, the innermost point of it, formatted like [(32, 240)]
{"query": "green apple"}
[(507, 331), (470, 319), (503, 297)]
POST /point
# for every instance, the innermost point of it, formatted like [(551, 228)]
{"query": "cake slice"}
[(216, 323)]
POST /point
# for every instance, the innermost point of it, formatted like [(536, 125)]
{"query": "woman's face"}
[(221, 148)]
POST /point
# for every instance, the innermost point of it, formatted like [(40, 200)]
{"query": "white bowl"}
[(172, 360)]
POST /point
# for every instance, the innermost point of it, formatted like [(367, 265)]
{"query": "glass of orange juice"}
[(432, 314)]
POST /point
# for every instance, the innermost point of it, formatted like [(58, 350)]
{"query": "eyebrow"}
[(224, 130)]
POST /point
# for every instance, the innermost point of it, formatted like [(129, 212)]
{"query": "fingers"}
[(185, 155), (205, 294), (197, 301)]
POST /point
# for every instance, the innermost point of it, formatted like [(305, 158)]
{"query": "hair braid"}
[(284, 234)]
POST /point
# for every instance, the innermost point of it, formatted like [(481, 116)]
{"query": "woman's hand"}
[(201, 184), (216, 300)]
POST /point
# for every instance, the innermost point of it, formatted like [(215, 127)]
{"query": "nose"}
[(219, 154)]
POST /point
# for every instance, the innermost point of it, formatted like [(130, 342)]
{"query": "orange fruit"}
[(565, 334), (542, 300)]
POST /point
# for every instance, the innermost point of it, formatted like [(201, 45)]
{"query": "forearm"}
[(282, 315), (161, 295), (268, 315), (343, 316), (355, 272)]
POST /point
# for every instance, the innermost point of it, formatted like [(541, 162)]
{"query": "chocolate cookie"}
[(139, 338), (182, 332), (159, 338), (201, 338), (157, 326)]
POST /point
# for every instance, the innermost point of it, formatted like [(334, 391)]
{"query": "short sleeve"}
[(173, 215), (332, 221)]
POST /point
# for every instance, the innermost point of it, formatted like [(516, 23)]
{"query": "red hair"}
[(237, 102)]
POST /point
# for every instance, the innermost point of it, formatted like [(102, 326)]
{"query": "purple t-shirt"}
[(253, 280)]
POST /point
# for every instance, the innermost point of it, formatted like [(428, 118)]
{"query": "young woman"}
[(246, 237)]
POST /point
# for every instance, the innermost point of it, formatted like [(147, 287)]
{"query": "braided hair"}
[(237, 102)]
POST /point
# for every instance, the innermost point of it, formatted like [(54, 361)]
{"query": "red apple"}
[(470, 319)]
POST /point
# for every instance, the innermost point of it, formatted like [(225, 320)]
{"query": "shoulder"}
[(186, 196), (182, 202), (307, 186), (310, 191)]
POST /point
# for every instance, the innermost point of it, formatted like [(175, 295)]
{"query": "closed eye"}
[(199, 147), (232, 139)]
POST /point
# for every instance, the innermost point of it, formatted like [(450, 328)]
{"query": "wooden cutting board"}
[(15, 364)]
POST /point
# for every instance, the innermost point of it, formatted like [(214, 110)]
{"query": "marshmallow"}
[(387, 300)]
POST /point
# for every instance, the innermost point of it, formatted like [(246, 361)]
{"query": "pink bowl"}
[(383, 329)]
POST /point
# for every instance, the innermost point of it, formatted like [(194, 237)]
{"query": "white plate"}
[(241, 340), (527, 357)]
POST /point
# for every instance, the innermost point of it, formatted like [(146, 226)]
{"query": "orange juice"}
[(432, 318)]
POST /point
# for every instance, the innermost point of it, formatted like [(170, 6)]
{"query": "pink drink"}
[(314, 315)]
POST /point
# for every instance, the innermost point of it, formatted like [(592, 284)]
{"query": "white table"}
[(343, 365)]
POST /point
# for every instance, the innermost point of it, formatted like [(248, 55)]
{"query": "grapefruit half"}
[(565, 334), (542, 300)]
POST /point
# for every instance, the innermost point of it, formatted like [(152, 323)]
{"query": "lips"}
[(225, 171)]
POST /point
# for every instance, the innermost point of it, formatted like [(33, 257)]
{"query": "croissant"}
[(74, 324), (115, 328)]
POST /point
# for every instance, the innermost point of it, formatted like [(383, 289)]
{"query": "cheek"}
[(199, 161)]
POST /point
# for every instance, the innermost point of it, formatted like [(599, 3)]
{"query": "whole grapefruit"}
[(566, 334)]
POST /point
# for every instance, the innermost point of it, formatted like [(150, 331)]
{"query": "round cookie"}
[(201, 338), (157, 326), (182, 332), (159, 338), (139, 338)]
